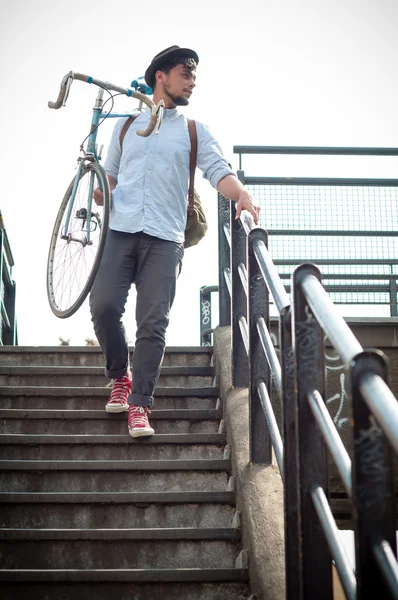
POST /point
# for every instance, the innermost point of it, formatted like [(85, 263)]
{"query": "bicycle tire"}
[(72, 261)]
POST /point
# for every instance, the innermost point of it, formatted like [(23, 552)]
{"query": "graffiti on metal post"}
[(307, 342), (257, 289), (372, 468), (205, 312), (288, 361), (342, 395), (224, 206)]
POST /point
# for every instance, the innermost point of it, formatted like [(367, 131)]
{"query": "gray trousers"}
[(154, 266)]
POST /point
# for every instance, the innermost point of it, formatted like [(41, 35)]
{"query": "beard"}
[(177, 100)]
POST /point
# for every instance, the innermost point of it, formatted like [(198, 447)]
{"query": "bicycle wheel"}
[(77, 242)]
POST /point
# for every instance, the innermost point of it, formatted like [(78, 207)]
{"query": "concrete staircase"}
[(86, 512)]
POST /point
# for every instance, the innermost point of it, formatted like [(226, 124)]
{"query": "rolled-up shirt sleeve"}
[(210, 159), (112, 161)]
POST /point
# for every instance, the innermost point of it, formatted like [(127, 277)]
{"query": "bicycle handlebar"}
[(156, 109)]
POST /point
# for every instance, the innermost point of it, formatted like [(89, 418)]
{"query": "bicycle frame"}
[(90, 154)]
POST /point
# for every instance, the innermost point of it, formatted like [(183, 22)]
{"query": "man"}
[(145, 242)]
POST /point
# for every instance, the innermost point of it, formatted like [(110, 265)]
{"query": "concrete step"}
[(28, 375), (179, 438), (105, 426), (118, 497), (87, 511), (143, 534), (105, 476), (104, 511), (92, 356), (116, 450), (120, 554), (94, 398), (99, 422), (187, 584), (115, 465)]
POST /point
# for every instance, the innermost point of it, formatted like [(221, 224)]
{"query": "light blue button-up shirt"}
[(152, 174)]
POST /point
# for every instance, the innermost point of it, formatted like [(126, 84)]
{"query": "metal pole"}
[(205, 314), (290, 461), (309, 354), (238, 302), (224, 258), (337, 549), (258, 307), (393, 298), (373, 481)]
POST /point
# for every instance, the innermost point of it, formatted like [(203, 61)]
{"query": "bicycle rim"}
[(75, 251)]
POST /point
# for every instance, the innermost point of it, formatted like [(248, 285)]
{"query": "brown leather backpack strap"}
[(192, 164), (125, 129)]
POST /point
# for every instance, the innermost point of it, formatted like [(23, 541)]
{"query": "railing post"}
[(205, 314), (238, 301), (393, 298), (290, 459), (373, 481), (224, 257), (258, 306), (309, 358)]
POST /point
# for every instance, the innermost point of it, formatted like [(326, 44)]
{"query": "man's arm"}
[(112, 162), (216, 170), (232, 188), (99, 196)]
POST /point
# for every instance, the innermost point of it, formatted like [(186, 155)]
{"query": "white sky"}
[(310, 72)]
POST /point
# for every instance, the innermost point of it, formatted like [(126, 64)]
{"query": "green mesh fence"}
[(351, 232)]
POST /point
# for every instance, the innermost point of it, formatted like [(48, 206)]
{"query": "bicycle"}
[(79, 232)]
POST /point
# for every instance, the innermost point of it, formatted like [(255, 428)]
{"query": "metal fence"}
[(248, 281), (349, 226), (8, 324)]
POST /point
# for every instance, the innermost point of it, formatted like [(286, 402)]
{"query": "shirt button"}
[(150, 154), (149, 170)]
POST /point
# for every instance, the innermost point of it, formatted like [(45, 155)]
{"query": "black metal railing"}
[(349, 226), (8, 322), (248, 280)]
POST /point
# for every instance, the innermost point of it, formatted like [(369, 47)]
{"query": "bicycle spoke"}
[(77, 244)]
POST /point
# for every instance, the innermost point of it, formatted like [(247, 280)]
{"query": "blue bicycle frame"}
[(90, 154)]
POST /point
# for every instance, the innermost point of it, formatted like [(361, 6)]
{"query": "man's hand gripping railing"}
[(156, 109)]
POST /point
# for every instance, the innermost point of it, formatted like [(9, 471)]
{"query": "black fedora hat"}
[(164, 57)]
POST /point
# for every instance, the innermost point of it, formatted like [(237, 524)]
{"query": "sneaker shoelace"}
[(139, 417), (119, 389)]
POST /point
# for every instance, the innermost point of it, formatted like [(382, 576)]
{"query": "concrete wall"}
[(259, 488)]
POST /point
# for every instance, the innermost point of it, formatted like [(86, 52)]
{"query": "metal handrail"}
[(267, 267), (332, 438), (272, 424), (388, 564), (336, 547), (376, 392), (383, 404), (270, 354), (332, 323), (312, 315)]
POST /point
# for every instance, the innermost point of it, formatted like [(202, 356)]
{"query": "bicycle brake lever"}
[(69, 82), (159, 111)]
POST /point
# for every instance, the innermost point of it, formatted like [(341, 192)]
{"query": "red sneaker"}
[(121, 389), (138, 421)]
